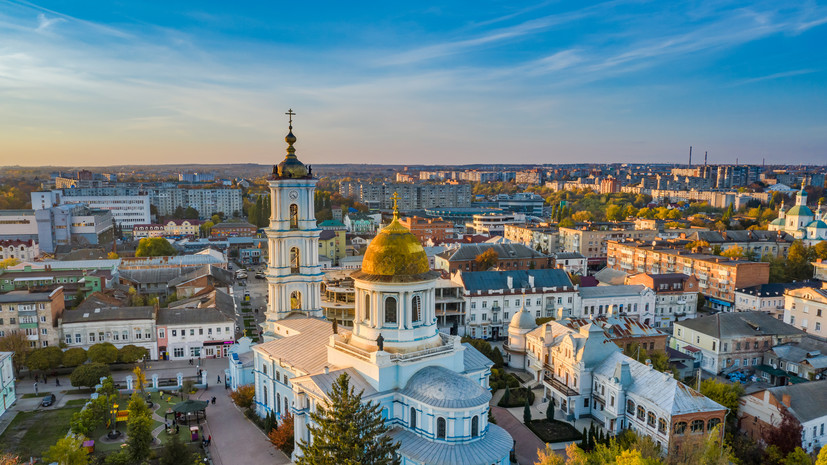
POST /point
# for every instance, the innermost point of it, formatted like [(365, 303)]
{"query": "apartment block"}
[(593, 244), (34, 313), (541, 238), (676, 295), (806, 309), (509, 257), (413, 196), (718, 277), (435, 229)]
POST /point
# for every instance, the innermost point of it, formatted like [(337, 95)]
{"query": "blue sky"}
[(92, 83)]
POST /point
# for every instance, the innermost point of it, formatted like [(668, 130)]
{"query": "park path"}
[(527, 444)]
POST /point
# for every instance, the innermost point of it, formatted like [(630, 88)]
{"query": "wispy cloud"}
[(770, 77), (44, 23)]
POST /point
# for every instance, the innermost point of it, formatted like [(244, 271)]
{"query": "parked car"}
[(48, 401)]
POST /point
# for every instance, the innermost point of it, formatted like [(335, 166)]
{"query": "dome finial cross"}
[(291, 115), (395, 197)]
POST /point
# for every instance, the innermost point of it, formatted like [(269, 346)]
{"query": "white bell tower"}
[(294, 275)]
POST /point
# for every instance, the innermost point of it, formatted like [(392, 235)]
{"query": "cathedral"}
[(431, 388), (801, 222)]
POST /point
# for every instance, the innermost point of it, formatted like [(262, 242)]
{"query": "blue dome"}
[(440, 387)]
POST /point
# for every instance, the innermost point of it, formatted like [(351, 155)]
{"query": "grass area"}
[(76, 402), (31, 395), (30, 434), (554, 431), (517, 398)]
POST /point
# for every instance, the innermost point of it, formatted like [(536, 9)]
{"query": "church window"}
[(295, 300), (295, 260), (294, 216), (390, 310), (367, 308), (440, 428), (650, 419), (416, 307), (413, 418), (278, 402), (630, 406), (475, 426), (661, 426)]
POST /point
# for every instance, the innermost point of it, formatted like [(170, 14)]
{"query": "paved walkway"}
[(527, 443), (235, 439)]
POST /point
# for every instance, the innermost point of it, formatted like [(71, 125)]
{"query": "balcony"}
[(512, 350), (559, 386)]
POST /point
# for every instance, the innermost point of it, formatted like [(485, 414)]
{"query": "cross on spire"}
[(395, 197), (291, 115)]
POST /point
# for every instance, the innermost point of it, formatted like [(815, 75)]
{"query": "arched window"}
[(440, 428), (641, 413), (416, 308), (295, 260), (661, 426), (680, 428), (630, 407), (294, 216), (264, 392), (713, 423), (390, 310), (650, 419), (286, 406), (413, 418), (367, 308), (278, 402), (295, 300), (475, 426), (697, 426)]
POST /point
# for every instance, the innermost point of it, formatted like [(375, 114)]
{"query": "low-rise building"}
[(332, 245), (726, 342), (806, 309), (571, 262), (35, 314), (200, 279), (7, 388), (19, 250), (140, 231), (632, 300), (435, 229), (450, 307), (233, 229), (493, 224), (806, 402), (756, 244), (509, 257), (805, 360), (361, 223), (625, 332), (119, 326), (767, 297), (593, 244), (185, 227), (185, 333), (541, 238), (676, 296)]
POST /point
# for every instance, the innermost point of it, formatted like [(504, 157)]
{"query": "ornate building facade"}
[(801, 222)]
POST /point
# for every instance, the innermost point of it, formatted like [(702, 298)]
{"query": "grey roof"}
[(504, 251), (440, 387), (808, 401), (776, 289), (493, 447), (568, 255), (306, 346), (24, 296), (659, 388), (615, 327), (153, 275), (182, 316), (327, 234), (220, 274), (108, 314), (813, 351), (611, 276), (494, 280), (622, 290), (740, 324), (322, 383), (522, 320), (741, 236), (474, 359)]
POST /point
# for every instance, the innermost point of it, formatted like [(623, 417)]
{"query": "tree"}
[(175, 452), (154, 247), (88, 375), (614, 213), (527, 412), (822, 457), (68, 451), (244, 395), (15, 341), (565, 223), (733, 252), (487, 259), (723, 393), (547, 456), (186, 388), (8, 262), (131, 353), (191, 213), (347, 431), (497, 357), (787, 435), (506, 395), (139, 429), (9, 459), (550, 412), (140, 378), (206, 227), (282, 437), (582, 216), (46, 358), (820, 250), (112, 255), (797, 457), (103, 352)]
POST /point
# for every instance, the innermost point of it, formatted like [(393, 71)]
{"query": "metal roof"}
[(808, 401), (108, 314), (493, 447), (740, 324), (25, 296), (622, 290), (474, 359), (191, 316), (321, 384), (496, 280), (504, 251), (776, 289), (440, 387), (616, 327), (306, 350)]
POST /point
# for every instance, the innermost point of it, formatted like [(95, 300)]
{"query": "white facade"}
[(806, 309), (194, 340), (7, 388), (84, 334), (493, 224), (631, 300), (20, 250), (127, 210)]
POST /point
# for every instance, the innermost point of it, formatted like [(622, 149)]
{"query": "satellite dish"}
[(818, 377)]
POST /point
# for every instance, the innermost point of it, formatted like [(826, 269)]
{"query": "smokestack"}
[(705, 153), (690, 156)]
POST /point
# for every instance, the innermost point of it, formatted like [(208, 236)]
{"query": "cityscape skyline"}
[(606, 82)]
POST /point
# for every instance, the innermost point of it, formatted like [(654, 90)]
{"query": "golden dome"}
[(395, 251)]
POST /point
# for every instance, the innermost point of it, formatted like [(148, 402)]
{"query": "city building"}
[(126, 210), (756, 244), (249, 255), (431, 389), (767, 297), (586, 375), (450, 307), (806, 309), (19, 250), (632, 300), (203, 332), (676, 296), (527, 203), (540, 238), (627, 333), (593, 244), (493, 224), (119, 326), (201, 278), (533, 177), (718, 277), (509, 257), (492, 297), (7, 387), (332, 245), (726, 342), (334, 224), (233, 229), (186, 227), (801, 222), (794, 362), (806, 402), (412, 196), (571, 262), (609, 186), (140, 231), (361, 223), (36, 314), (18, 225), (196, 177), (435, 229), (820, 270)]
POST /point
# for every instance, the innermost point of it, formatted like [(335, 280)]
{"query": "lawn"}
[(554, 431), (30, 434)]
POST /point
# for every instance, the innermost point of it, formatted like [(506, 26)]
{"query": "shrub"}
[(103, 352), (74, 357), (244, 395), (88, 375), (131, 353), (282, 437)]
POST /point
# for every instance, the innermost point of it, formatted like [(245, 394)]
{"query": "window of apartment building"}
[(42, 319), (713, 345), (473, 304), (516, 302), (726, 346), (537, 314), (43, 331), (818, 326), (192, 332), (738, 345), (68, 339), (78, 338), (698, 340), (178, 352), (161, 333), (44, 344), (484, 304), (91, 337), (792, 320), (200, 331)]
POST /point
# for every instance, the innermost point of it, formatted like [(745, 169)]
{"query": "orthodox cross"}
[(291, 115), (395, 197)]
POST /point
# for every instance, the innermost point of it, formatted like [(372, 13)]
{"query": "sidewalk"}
[(527, 444), (235, 439)]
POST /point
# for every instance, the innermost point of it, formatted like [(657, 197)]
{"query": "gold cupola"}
[(395, 251), (290, 167)]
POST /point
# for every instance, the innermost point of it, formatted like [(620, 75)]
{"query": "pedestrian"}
[(190, 361), (57, 381), (35, 388), (213, 400), (219, 379), (44, 379)]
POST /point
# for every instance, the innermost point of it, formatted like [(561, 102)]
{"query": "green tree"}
[(103, 352), (68, 451), (820, 250), (74, 357), (797, 457), (527, 412), (154, 247), (347, 431), (46, 358), (139, 429), (131, 353), (178, 213), (566, 223), (15, 341), (176, 452), (614, 213), (822, 457), (506, 396), (723, 393), (206, 228), (191, 213), (487, 259), (733, 252), (8, 262), (550, 411), (88, 375)]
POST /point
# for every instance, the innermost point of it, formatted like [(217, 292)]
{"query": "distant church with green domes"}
[(801, 222)]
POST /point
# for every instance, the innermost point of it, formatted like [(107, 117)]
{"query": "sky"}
[(148, 82)]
